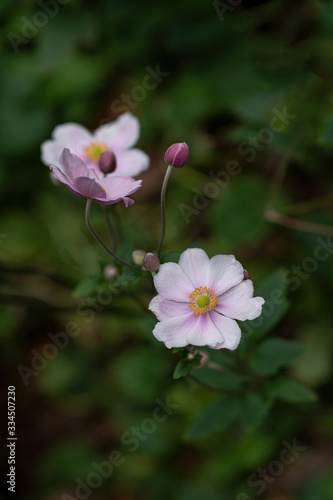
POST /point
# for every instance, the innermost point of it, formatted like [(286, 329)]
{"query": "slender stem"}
[(207, 386), (117, 220), (223, 369), (163, 191), (301, 225), (110, 228), (93, 232)]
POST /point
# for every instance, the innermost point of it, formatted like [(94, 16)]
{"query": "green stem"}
[(110, 228), (93, 232), (163, 191)]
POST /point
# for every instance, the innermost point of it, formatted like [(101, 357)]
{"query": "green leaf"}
[(253, 410), (218, 379), (87, 286), (273, 290), (274, 353), (184, 366), (215, 417), (292, 391)]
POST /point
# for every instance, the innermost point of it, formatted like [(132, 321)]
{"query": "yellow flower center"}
[(94, 150), (202, 300)]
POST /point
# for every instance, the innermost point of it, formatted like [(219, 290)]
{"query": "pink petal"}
[(88, 188), (131, 163), (121, 134), (166, 309), (119, 187), (238, 302), (229, 330), (72, 165), (204, 331), (71, 133), (173, 332), (195, 263), (224, 272), (172, 283)]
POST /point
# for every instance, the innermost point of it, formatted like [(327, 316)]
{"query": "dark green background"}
[(225, 78)]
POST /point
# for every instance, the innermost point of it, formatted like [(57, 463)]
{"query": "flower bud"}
[(138, 257), (177, 155), (110, 273), (151, 262), (107, 162), (204, 358), (246, 275)]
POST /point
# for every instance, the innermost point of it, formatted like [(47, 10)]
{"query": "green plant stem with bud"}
[(163, 191), (110, 252)]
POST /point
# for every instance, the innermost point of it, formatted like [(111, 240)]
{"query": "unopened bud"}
[(151, 262), (246, 275), (110, 273), (107, 162), (177, 155), (138, 256), (204, 358)]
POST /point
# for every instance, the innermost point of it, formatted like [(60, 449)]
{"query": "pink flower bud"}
[(246, 275), (110, 273), (151, 262), (177, 155), (107, 162)]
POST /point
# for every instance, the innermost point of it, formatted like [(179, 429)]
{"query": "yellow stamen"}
[(94, 150), (202, 300)]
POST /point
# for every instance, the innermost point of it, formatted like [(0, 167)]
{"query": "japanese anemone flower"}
[(83, 181), (199, 300), (117, 137)]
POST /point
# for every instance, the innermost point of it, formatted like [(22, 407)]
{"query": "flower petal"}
[(224, 272), (172, 283), (118, 187), (131, 163), (166, 309), (72, 133), (229, 330), (204, 332), (88, 188), (69, 135), (238, 302), (173, 332), (121, 134), (72, 165), (195, 263)]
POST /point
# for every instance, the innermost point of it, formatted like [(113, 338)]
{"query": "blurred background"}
[(247, 82)]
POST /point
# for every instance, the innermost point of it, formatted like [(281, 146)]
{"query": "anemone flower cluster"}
[(199, 300)]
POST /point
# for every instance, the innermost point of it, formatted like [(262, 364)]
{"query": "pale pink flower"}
[(199, 300), (84, 182), (117, 137)]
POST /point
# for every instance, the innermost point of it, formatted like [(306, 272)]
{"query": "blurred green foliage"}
[(225, 83)]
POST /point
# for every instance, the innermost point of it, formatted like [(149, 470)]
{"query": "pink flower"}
[(200, 299), (118, 137), (85, 182)]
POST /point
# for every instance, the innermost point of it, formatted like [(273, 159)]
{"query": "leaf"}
[(215, 417), (218, 379), (87, 286), (292, 391), (185, 366), (253, 410), (274, 353), (273, 290)]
